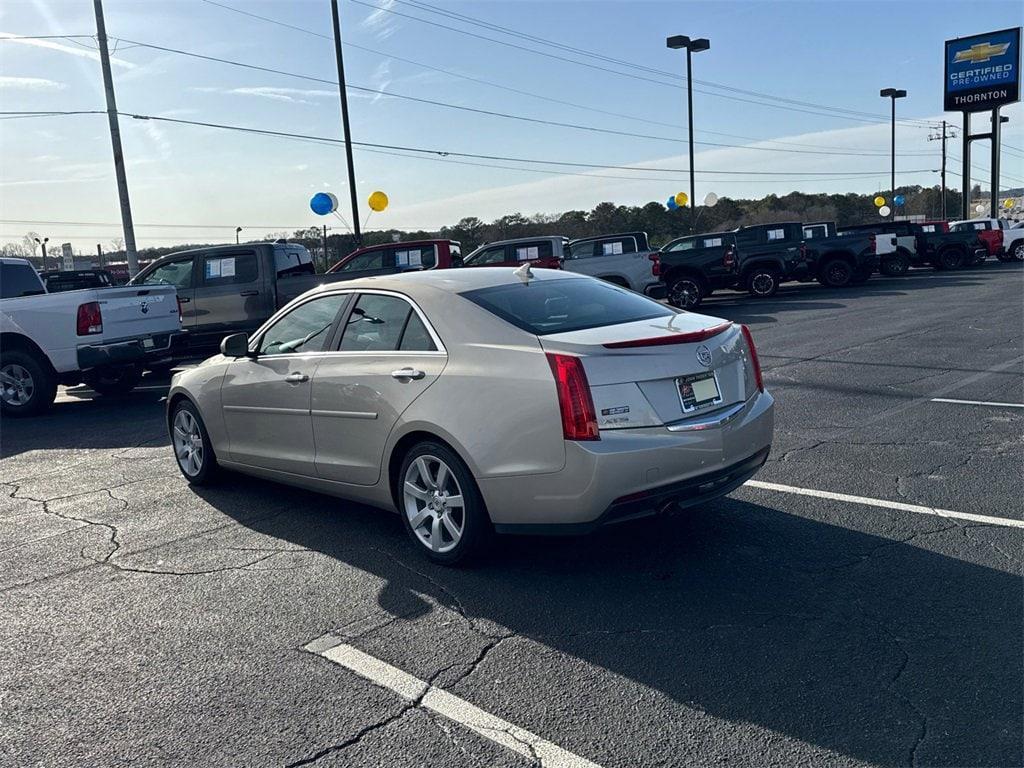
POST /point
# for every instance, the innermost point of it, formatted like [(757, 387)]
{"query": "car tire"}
[(836, 273), (686, 292), (762, 282), (445, 532), (113, 382), (27, 386), (1017, 251), (193, 451), (895, 267), (950, 258)]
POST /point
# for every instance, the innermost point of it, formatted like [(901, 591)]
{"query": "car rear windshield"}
[(543, 307)]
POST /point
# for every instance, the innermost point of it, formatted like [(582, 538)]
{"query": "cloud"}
[(71, 50), (381, 77), (302, 167), (380, 22), (31, 84), (290, 95)]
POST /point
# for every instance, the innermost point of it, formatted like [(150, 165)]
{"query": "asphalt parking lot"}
[(146, 623)]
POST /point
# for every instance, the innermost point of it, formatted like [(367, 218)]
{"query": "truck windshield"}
[(543, 307)]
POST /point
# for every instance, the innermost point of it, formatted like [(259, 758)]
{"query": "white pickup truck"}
[(100, 336)]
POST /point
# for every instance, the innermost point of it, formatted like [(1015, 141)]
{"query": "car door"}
[(495, 256), (230, 294), (266, 397), (386, 356), (179, 272)]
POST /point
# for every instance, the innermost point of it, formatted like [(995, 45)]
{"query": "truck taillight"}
[(579, 419), (90, 320), (729, 259), (803, 251), (753, 357), (655, 263)]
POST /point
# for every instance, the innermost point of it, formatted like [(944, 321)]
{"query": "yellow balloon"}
[(378, 201), (879, 201), (682, 199), (1008, 203)]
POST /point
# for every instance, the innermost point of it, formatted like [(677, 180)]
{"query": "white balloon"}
[(979, 208), (884, 210), (710, 199)]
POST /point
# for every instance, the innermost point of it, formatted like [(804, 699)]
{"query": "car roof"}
[(448, 280), (594, 238), (14, 260), (522, 240)]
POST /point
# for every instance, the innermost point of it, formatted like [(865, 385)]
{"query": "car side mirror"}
[(235, 345)]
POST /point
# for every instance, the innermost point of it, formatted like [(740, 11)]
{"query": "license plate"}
[(698, 390), (148, 343)]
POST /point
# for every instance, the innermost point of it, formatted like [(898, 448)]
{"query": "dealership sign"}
[(982, 71)]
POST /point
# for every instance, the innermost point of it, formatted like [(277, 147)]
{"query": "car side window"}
[(491, 256), (384, 324), (368, 260), (305, 329), (531, 251), (423, 257), (177, 273), (19, 280), (229, 269)]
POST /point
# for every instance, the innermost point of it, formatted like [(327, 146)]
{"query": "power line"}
[(504, 115), (529, 94), (873, 120)]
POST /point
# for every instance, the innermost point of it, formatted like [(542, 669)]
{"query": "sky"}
[(791, 89)]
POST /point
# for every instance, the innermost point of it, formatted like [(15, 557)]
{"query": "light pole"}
[(43, 243), (237, 231), (692, 46), (893, 94)]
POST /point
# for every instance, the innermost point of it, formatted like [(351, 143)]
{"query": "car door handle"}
[(249, 293), (407, 373), (296, 378)]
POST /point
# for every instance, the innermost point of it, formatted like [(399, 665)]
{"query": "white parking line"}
[(899, 505), (976, 402), (439, 701)]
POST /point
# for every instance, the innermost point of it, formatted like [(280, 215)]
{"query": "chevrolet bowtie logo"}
[(980, 53)]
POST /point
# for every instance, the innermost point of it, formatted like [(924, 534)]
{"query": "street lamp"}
[(893, 94), (237, 230), (43, 243), (692, 46)]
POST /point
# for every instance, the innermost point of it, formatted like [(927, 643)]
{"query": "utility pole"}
[(43, 243), (323, 240), (946, 133), (893, 94), (99, 254), (692, 46), (344, 123), (115, 141)]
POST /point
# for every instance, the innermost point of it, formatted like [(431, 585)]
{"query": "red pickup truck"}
[(390, 258)]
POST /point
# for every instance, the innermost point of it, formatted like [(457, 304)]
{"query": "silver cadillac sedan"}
[(476, 401)]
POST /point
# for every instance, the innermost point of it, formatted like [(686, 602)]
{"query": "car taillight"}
[(729, 259), (655, 263), (579, 419), (753, 357), (90, 320)]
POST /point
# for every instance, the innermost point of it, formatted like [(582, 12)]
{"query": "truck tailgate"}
[(134, 311)]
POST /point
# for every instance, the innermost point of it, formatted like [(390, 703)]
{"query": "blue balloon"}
[(899, 199), (321, 204), (672, 204)]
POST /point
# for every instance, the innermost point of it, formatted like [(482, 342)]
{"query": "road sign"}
[(983, 71), (67, 256)]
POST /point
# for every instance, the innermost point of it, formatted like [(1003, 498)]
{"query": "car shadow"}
[(860, 644)]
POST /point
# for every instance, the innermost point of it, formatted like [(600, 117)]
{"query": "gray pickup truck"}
[(624, 259), (229, 289)]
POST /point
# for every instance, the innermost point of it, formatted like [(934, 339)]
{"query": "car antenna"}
[(524, 272)]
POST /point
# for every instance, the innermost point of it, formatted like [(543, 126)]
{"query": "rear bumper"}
[(125, 352), (632, 473)]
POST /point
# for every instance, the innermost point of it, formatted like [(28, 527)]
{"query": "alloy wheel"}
[(762, 284), (1018, 251), (838, 274), (188, 443), (434, 504), (685, 293), (16, 385)]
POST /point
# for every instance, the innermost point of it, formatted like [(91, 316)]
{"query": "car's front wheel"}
[(1017, 250), (192, 447), (686, 292), (836, 273), (441, 507), (895, 266)]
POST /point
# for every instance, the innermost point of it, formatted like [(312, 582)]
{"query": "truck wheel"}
[(26, 386), (111, 382), (895, 267), (950, 258), (836, 273), (1018, 250), (686, 292), (763, 282)]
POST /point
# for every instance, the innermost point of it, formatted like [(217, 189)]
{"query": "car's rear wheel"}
[(950, 258), (686, 292), (441, 507), (1018, 250), (895, 266), (26, 386), (192, 448), (763, 282), (112, 382), (836, 273)]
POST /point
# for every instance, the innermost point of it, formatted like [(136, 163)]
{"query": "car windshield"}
[(543, 307)]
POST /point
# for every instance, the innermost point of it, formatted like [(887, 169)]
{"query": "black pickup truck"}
[(758, 259), (947, 250)]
